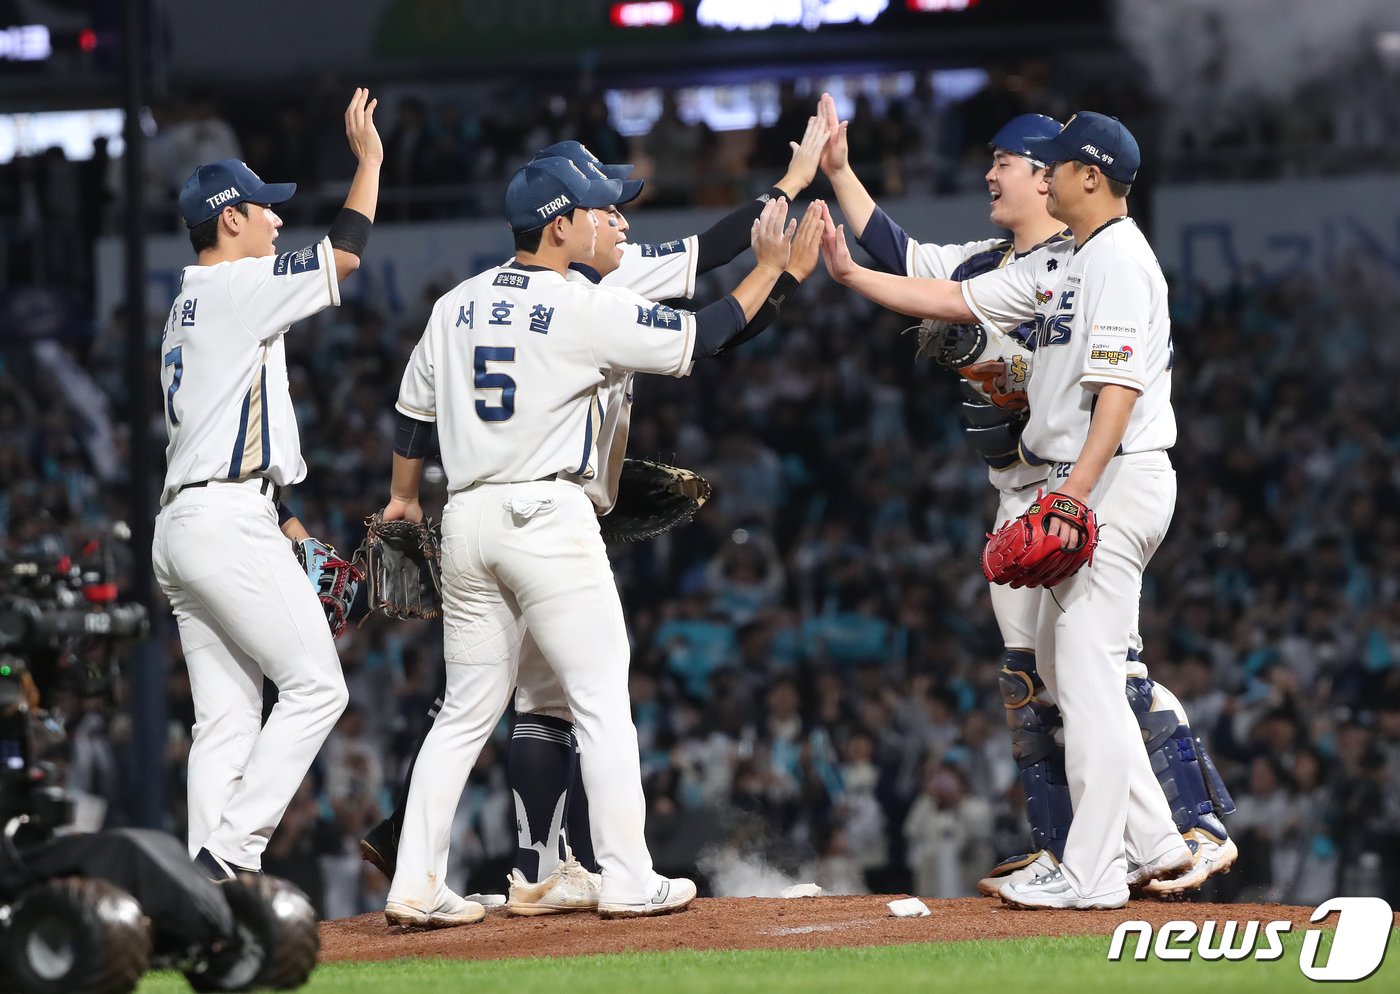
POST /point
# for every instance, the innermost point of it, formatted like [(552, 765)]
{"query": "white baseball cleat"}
[(1213, 855), (672, 894), (451, 913), (1052, 890), (1169, 867), (1026, 867), (569, 888)]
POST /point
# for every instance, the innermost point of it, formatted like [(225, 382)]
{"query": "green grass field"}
[(1037, 966)]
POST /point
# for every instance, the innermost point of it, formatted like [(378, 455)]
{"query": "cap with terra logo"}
[(543, 189), (217, 185), (579, 154), (1097, 139)]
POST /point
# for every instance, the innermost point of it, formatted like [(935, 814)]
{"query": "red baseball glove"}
[(1022, 554)]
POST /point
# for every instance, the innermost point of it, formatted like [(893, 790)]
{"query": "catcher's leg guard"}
[(1189, 780), (1034, 725)]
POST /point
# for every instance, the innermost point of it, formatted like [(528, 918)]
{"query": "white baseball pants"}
[(245, 609), (518, 556), (1083, 636)]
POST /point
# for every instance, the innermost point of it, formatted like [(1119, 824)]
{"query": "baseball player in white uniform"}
[(509, 368), (243, 604), (1101, 420), (1187, 776), (550, 876)]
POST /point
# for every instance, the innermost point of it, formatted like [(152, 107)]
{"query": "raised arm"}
[(731, 234), (806, 157), (350, 230), (915, 296), (856, 202)]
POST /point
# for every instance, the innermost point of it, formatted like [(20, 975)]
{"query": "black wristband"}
[(350, 231), (284, 514)]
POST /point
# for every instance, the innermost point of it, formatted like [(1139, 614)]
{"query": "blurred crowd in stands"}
[(814, 669), (815, 660), (448, 149)]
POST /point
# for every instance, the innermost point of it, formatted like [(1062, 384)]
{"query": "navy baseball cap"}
[(1097, 139), (542, 189), (579, 155), (1013, 135), (214, 186)]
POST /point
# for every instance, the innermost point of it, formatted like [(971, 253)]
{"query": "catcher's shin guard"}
[(1034, 724), (1193, 788)]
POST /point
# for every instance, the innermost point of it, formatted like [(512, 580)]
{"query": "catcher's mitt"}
[(653, 498), (950, 345), (335, 581), (1022, 554), (402, 564)]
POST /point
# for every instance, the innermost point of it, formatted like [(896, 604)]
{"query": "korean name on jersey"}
[(510, 364)]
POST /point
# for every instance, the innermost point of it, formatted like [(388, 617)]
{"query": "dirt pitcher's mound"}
[(758, 923)]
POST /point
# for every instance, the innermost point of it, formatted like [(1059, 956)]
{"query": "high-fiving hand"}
[(360, 129), (772, 235), (835, 252), (835, 156), (806, 156), (807, 243)]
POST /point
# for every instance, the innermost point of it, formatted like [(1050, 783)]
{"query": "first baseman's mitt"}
[(402, 565), (653, 498), (335, 581), (1022, 554)]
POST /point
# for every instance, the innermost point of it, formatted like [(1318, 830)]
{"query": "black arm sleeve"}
[(350, 231), (707, 341), (284, 514), (412, 438), (731, 234)]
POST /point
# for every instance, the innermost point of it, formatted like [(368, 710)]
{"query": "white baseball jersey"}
[(510, 364), (937, 262), (658, 272), (1101, 317), (228, 413)]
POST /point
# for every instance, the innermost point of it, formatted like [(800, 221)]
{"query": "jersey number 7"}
[(487, 380)]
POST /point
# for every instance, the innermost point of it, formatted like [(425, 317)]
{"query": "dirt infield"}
[(758, 923)]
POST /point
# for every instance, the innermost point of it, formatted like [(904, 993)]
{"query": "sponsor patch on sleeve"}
[(1110, 355), (658, 249), (303, 260), (1102, 329), (658, 316)]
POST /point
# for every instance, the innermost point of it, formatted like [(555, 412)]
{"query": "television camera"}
[(90, 913)]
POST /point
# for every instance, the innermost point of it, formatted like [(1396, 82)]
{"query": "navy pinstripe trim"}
[(235, 463), (587, 443), (266, 428)]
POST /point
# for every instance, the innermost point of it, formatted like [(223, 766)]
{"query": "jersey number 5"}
[(173, 358), (487, 380)]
